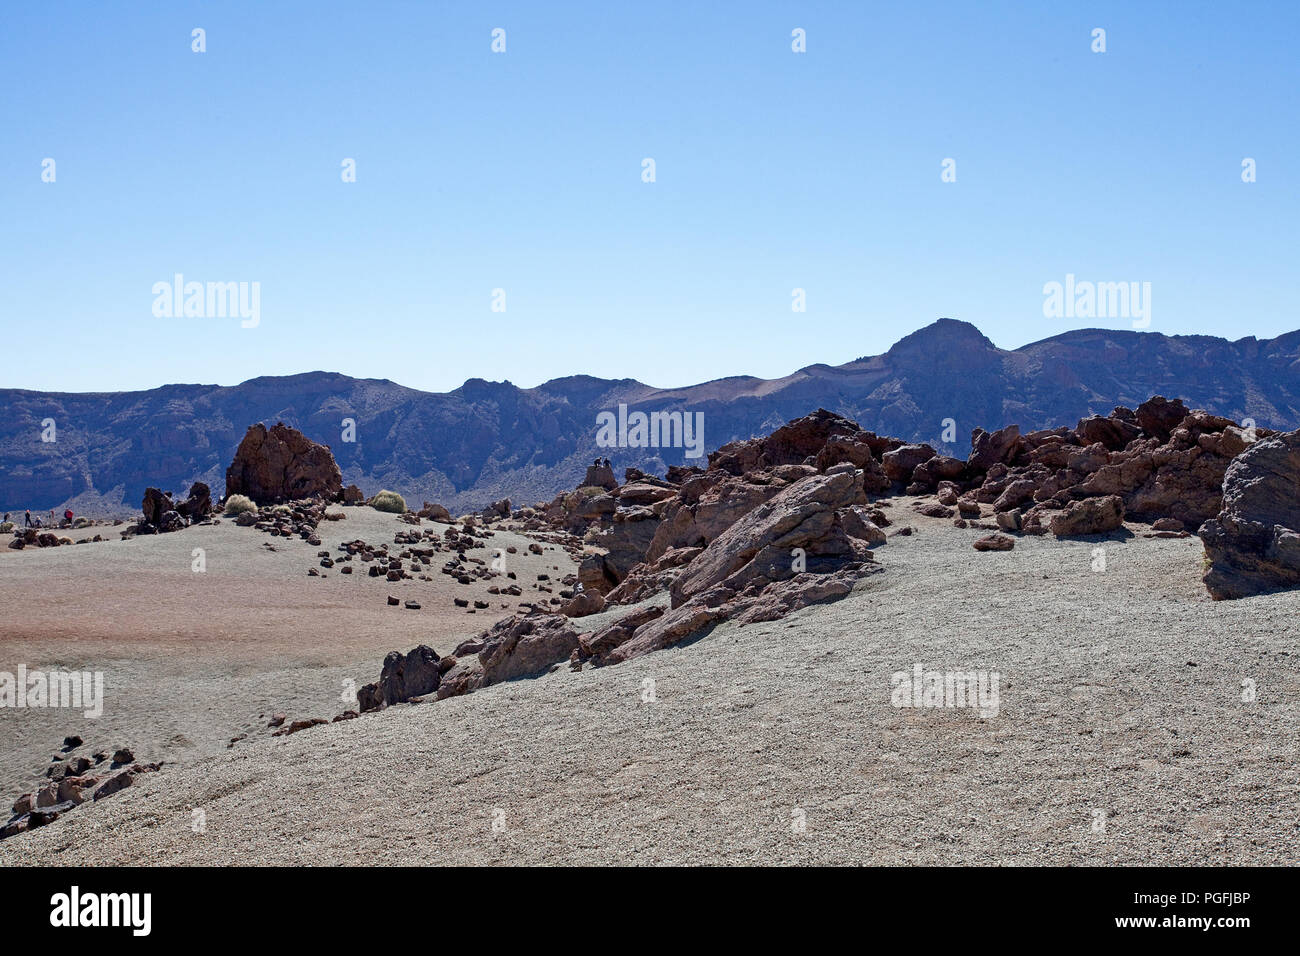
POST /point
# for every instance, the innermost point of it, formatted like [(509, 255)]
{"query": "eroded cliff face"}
[(490, 440)]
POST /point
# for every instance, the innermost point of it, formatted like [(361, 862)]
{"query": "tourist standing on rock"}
[(27, 518), (67, 516)]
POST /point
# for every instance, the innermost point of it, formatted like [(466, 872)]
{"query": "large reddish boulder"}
[(516, 646), (993, 448), (282, 464), (759, 547), (899, 463), (994, 542), (1158, 416), (403, 676), (626, 540), (600, 475), (199, 503), (1112, 432), (1254, 544), (156, 504), (1090, 516), (793, 443)]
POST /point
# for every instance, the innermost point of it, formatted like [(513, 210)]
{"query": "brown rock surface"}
[(434, 512), (1090, 516), (759, 545), (600, 475), (899, 463), (516, 646), (1158, 416), (583, 604), (991, 448), (1253, 545), (791, 444), (282, 464), (199, 503), (404, 676)]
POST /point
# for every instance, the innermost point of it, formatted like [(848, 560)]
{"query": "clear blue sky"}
[(522, 171)]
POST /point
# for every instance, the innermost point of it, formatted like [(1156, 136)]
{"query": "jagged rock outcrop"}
[(155, 504), (777, 523), (1253, 544), (629, 528), (822, 434), (810, 543), (516, 646), (758, 546), (282, 464), (198, 504), (162, 514), (1161, 461), (1090, 516), (600, 475), (1172, 472), (762, 544), (404, 676)]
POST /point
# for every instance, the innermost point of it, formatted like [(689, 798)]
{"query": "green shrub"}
[(6, 527), (238, 504), (389, 501)]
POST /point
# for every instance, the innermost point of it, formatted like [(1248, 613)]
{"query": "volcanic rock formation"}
[(282, 464), (1253, 545), (778, 522)]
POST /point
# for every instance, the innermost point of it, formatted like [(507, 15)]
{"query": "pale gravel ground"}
[(190, 660), (1100, 709)]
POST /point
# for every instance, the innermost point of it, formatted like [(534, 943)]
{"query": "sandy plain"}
[(1123, 733)]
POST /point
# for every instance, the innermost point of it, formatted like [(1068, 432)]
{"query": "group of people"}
[(30, 522)]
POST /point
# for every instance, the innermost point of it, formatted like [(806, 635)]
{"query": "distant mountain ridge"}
[(488, 440)]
